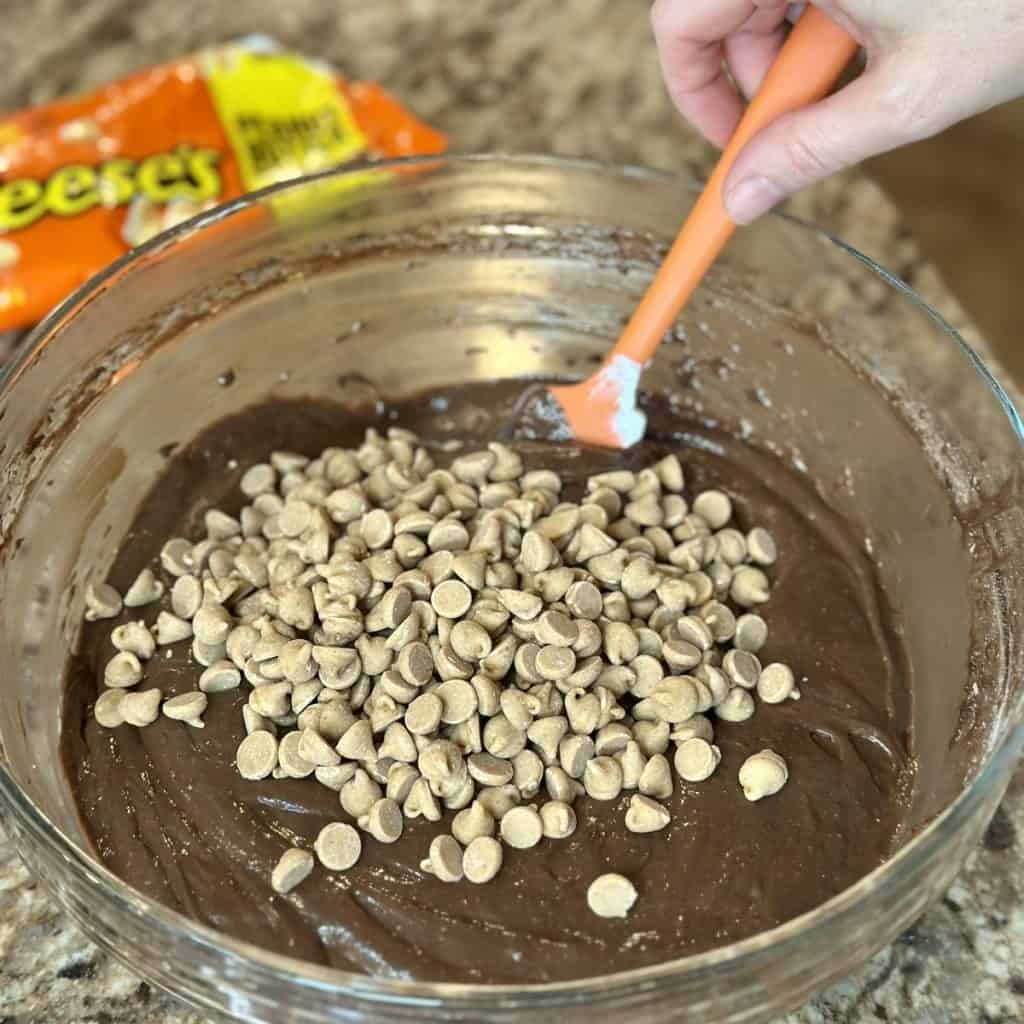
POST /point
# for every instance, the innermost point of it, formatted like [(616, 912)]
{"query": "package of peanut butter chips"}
[(83, 180)]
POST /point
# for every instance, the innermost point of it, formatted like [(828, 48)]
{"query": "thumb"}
[(803, 147)]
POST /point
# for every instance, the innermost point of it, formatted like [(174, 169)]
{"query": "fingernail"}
[(746, 201)]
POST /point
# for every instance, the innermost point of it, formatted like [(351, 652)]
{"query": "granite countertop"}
[(577, 77)]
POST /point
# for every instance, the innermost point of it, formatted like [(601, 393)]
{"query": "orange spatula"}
[(602, 409)]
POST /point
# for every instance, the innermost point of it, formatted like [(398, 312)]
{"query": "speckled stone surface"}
[(574, 77)]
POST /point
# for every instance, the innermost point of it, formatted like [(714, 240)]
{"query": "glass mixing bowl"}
[(351, 285)]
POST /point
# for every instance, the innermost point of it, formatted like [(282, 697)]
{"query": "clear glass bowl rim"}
[(288, 971)]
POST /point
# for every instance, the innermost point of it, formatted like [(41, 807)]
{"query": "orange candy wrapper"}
[(84, 180)]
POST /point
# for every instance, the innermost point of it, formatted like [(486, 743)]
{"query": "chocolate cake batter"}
[(169, 813)]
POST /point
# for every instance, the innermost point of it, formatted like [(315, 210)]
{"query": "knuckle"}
[(810, 156)]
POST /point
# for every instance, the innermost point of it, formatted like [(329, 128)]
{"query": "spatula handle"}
[(807, 66)]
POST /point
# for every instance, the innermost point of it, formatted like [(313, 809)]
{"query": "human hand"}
[(930, 63)]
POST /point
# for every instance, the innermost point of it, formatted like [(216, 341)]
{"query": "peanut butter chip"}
[(612, 739), (445, 859), (521, 604), (291, 763), (749, 587), (501, 738), (592, 542), (470, 641), (258, 479), (556, 629), (291, 870), (451, 599), (473, 468), (761, 546), (220, 526), (699, 727), (621, 480), (186, 707), (555, 663), (482, 859), (220, 676), (378, 529), (558, 819), (611, 895), (696, 759), (751, 633), (338, 846), (676, 698), (141, 708), (696, 631), (398, 744), (670, 473), (742, 668), (458, 700), (449, 534), (392, 610), (339, 668), (649, 672), (384, 821), (719, 621), (272, 700), (407, 632), (602, 778), (680, 655), (359, 794), (186, 596), (776, 683), (497, 801), (107, 710), (738, 706), (645, 814), (651, 737), (102, 601), (423, 715), (537, 552), (763, 774), (559, 785), (522, 828), (357, 742), (472, 822), (656, 778), (584, 600), (489, 770), (573, 754), (171, 629), (145, 590), (632, 760), (546, 734), (123, 670), (714, 507), (211, 624), (470, 567), (640, 579), (303, 695), (256, 757), (207, 654), (312, 747)]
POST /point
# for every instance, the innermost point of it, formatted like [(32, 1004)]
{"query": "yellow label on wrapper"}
[(282, 115)]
